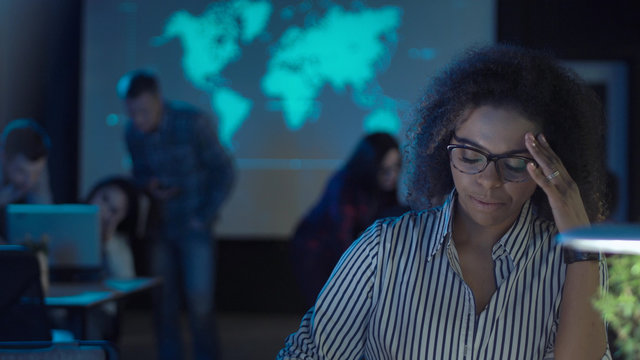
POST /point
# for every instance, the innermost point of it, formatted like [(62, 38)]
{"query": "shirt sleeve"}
[(141, 170), (604, 284), (347, 218), (336, 327), (346, 215), (218, 165)]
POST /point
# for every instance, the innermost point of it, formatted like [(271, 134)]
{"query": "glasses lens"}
[(468, 160), (514, 169)]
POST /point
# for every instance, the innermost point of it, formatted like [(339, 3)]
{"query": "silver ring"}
[(553, 175)]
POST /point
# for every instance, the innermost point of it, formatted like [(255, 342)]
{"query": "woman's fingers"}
[(550, 169), (542, 153), (538, 175), (553, 178)]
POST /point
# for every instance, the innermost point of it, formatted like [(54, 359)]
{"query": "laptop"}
[(72, 232)]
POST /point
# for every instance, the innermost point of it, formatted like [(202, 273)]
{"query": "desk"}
[(79, 298)]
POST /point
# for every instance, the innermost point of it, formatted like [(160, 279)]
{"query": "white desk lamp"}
[(606, 238)]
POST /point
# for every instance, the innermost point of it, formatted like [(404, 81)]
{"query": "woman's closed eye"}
[(515, 165), (471, 157), (472, 160)]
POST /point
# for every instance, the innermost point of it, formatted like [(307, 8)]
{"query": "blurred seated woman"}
[(120, 215), (118, 201), (363, 190)]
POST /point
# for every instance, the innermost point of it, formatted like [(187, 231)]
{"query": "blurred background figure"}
[(119, 202), (363, 190), (24, 150), (24, 147), (123, 213), (178, 159)]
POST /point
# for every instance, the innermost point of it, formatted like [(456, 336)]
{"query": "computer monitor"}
[(72, 232)]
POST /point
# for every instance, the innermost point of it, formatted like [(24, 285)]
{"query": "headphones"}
[(25, 124)]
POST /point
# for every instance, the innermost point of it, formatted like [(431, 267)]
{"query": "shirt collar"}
[(515, 241), (443, 231)]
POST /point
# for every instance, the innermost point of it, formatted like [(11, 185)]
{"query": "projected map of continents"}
[(343, 49)]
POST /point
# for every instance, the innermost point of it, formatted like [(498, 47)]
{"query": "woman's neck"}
[(467, 232)]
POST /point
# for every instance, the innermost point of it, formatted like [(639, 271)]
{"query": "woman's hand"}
[(9, 194), (581, 333), (554, 179)]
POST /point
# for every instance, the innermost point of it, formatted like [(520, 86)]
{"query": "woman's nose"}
[(490, 177)]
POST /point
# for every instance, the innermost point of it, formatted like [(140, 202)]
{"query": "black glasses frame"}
[(490, 158)]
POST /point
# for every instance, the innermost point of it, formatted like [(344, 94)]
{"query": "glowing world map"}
[(291, 86), (340, 48)]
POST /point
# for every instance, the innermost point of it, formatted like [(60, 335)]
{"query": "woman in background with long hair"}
[(363, 190)]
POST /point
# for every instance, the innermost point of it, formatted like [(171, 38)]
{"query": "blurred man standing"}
[(178, 159)]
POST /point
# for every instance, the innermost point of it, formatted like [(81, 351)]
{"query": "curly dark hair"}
[(531, 82)]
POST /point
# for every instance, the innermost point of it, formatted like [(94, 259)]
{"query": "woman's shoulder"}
[(411, 215), (414, 224), (540, 233), (543, 228), (391, 241)]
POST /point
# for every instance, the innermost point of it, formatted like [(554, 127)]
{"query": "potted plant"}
[(620, 305)]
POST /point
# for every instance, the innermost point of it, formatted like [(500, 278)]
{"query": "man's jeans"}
[(187, 267)]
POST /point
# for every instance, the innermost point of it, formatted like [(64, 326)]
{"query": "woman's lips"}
[(485, 204)]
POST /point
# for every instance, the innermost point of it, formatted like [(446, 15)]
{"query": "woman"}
[(513, 144), (118, 200), (360, 192)]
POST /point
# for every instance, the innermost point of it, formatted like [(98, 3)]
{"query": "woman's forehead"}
[(495, 128)]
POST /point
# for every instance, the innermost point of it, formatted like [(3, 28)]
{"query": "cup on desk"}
[(44, 271), (41, 250)]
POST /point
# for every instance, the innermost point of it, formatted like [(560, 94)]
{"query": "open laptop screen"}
[(72, 232)]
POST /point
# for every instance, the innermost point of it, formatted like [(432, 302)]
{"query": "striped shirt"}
[(398, 293)]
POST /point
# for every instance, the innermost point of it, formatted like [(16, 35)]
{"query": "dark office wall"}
[(585, 30), (39, 78), (588, 28)]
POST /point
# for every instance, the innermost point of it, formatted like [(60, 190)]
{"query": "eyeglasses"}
[(469, 160)]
